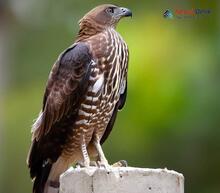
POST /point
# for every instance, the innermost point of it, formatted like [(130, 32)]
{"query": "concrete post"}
[(121, 180)]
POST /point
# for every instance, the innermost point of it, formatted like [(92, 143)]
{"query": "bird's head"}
[(106, 15)]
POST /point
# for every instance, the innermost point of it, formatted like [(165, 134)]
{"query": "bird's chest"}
[(103, 92), (105, 82), (100, 100)]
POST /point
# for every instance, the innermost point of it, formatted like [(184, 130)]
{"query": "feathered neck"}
[(88, 28)]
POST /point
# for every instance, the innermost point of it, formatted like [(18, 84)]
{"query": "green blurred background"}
[(172, 114)]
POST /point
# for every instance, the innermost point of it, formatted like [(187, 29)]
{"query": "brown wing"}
[(67, 84)]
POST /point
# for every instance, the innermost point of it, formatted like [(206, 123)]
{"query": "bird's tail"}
[(41, 179), (39, 169)]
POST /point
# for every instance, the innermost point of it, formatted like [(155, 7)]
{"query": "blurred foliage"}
[(172, 114)]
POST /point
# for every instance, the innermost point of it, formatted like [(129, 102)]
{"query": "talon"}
[(93, 164), (103, 161), (80, 165), (121, 163), (103, 164), (84, 164)]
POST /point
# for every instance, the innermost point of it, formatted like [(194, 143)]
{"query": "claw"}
[(83, 164), (103, 161), (93, 164), (103, 164), (121, 163), (79, 165)]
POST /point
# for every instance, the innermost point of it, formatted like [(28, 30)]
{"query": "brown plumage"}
[(86, 87)]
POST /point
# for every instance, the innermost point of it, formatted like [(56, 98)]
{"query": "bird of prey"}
[(86, 87)]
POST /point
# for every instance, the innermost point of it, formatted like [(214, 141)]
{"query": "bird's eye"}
[(110, 10)]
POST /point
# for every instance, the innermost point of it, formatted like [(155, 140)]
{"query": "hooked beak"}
[(124, 12)]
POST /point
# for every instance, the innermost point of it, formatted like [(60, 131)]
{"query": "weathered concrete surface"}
[(121, 180)]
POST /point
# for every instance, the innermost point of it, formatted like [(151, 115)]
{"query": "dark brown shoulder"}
[(76, 56), (78, 53), (66, 84)]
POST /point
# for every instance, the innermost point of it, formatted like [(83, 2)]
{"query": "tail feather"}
[(41, 178), (39, 168)]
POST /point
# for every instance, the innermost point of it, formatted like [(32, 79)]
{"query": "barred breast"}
[(106, 83)]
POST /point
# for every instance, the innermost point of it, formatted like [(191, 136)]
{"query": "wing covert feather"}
[(67, 84)]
